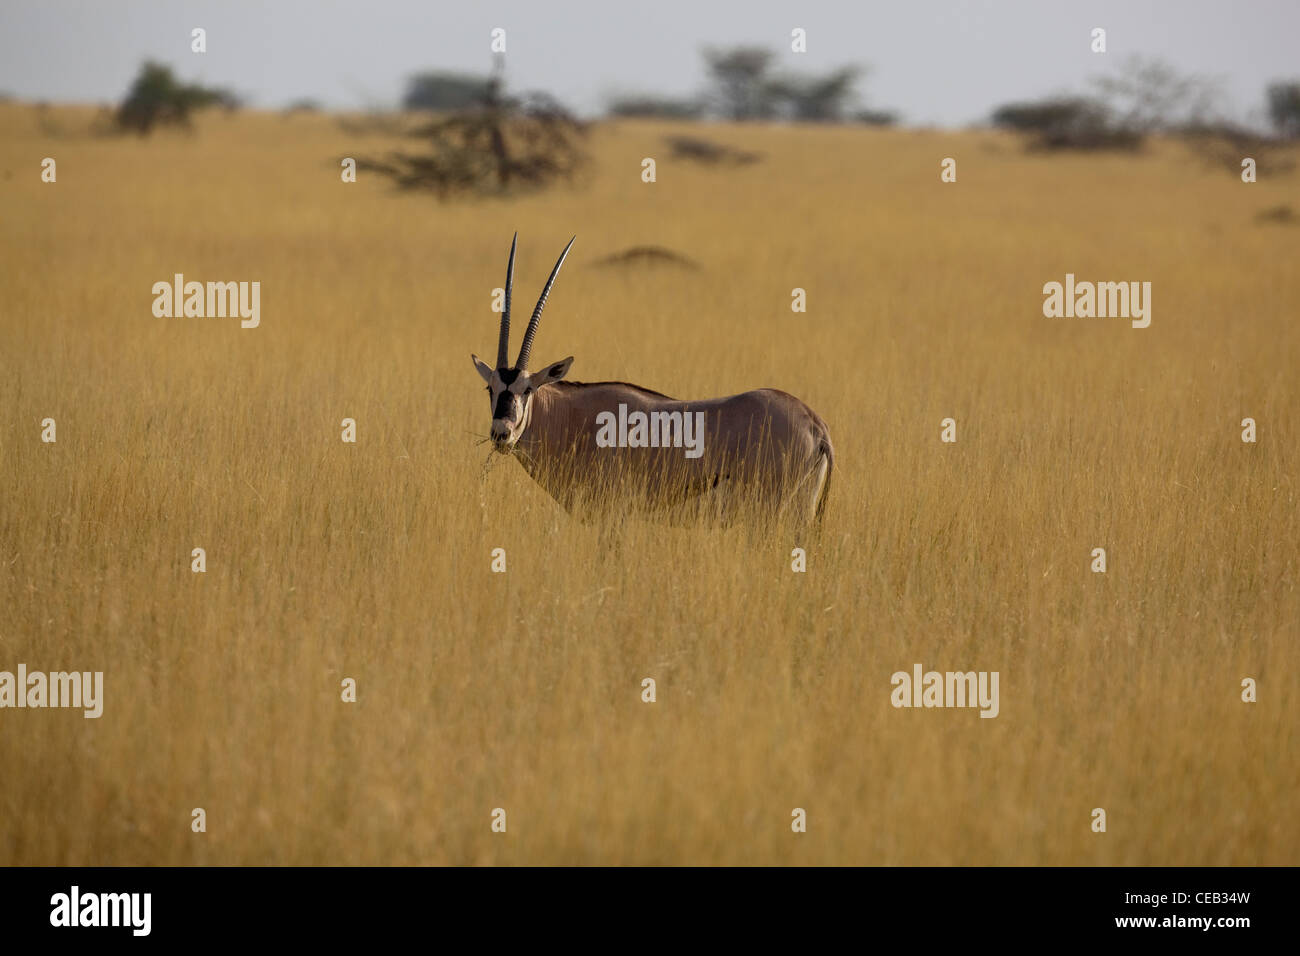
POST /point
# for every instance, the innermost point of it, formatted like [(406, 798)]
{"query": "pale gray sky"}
[(946, 62)]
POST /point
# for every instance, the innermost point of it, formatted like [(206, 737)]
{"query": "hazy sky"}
[(946, 62)]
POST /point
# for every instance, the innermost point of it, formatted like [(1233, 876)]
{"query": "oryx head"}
[(511, 390)]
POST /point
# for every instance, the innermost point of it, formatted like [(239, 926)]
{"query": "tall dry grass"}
[(522, 690)]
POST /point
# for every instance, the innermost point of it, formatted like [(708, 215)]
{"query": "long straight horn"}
[(503, 347), (537, 312)]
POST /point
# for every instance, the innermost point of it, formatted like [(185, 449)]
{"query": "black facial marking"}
[(508, 375), (503, 406)]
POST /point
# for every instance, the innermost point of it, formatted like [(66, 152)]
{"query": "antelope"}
[(763, 448)]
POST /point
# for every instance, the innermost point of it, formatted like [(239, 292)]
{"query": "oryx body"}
[(613, 445)]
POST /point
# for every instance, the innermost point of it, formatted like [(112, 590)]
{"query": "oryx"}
[(617, 446)]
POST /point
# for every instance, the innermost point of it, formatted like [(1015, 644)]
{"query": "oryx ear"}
[(552, 373), (483, 370)]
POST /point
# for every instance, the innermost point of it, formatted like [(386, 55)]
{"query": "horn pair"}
[(504, 346)]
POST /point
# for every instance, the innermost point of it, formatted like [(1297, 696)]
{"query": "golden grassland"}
[(522, 690)]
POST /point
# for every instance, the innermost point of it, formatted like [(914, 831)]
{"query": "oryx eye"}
[(528, 390)]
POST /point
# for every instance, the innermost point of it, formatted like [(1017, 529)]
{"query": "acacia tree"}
[(817, 99), (157, 98), (1149, 96), (497, 144), (1142, 98), (440, 90), (740, 87)]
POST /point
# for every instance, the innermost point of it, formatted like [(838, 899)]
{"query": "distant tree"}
[(875, 117), (740, 88), (1284, 109), (649, 105), (1066, 123), (443, 92), (820, 99), (1038, 115), (1149, 96), (497, 145), (1143, 97), (157, 98)]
